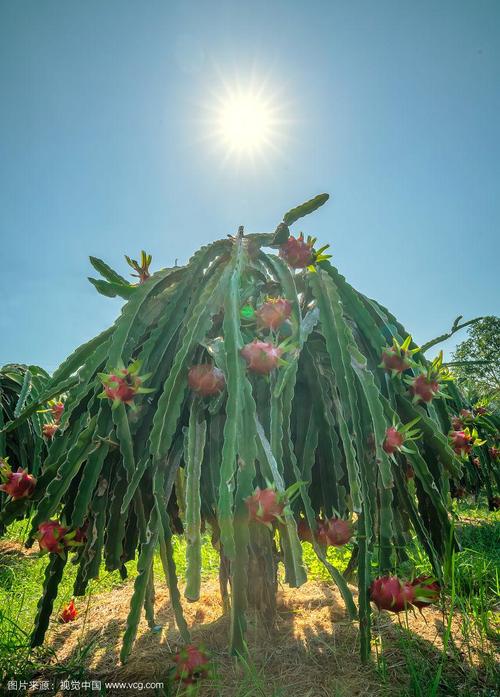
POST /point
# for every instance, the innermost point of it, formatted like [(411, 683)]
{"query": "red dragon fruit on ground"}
[(17, 485), (392, 594), (398, 358), (49, 430), (262, 357), (265, 506), (206, 380), (68, 613), (273, 313), (192, 665), (427, 591), (123, 384)]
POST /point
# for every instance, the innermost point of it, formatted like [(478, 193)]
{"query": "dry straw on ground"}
[(312, 652)]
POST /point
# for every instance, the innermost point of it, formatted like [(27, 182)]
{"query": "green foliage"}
[(476, 361)]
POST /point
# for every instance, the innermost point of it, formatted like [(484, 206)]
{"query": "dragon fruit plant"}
[(266, 372), (474, 435), (23, 449)]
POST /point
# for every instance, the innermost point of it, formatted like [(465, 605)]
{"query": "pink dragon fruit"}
[(49, 430), (337, 531), (123, 384), (265, 506), (273, 313), (427, 386), (398, 358), (297, 253), (393, 440), (18, 485), (57, 410), (456, 423), (461, 442), (424, 389), (397, 435), (392, 594), (206, 380), (192, 665), (262, 357), (51, 537)]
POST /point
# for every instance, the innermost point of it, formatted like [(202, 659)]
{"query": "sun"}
[(245, 122)]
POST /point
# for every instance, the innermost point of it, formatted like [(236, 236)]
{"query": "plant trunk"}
[(262, 575)]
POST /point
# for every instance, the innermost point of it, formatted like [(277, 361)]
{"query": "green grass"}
[(473, 591)]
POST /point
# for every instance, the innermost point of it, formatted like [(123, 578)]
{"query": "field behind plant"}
[(313, 650)]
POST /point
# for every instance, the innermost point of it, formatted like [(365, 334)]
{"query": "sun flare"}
[(245, 122)]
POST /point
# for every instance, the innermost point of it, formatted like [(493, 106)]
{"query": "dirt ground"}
[(312, 652)]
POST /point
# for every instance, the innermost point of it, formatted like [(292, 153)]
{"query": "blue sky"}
[(391, 107)]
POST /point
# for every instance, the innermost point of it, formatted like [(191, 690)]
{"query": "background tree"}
[(477, 359)]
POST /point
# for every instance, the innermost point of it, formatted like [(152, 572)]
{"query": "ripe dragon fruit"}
[(206, 380), (397, 435), (56, 539), (427, 386), (393, 440), (297, 253), (68, 613), (337, 531), (123, 384), (273, 313), (51, 537), (18, 485), (463, 441), (426, 590), (392, 594), (265, 506), (481, 411), (57, 410), (466, 415), (424, 389), (192, 665), (398, 358), (262, 357), (457, 424), (49, 430)]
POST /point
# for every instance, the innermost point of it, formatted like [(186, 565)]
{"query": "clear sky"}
[(107, 147)]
